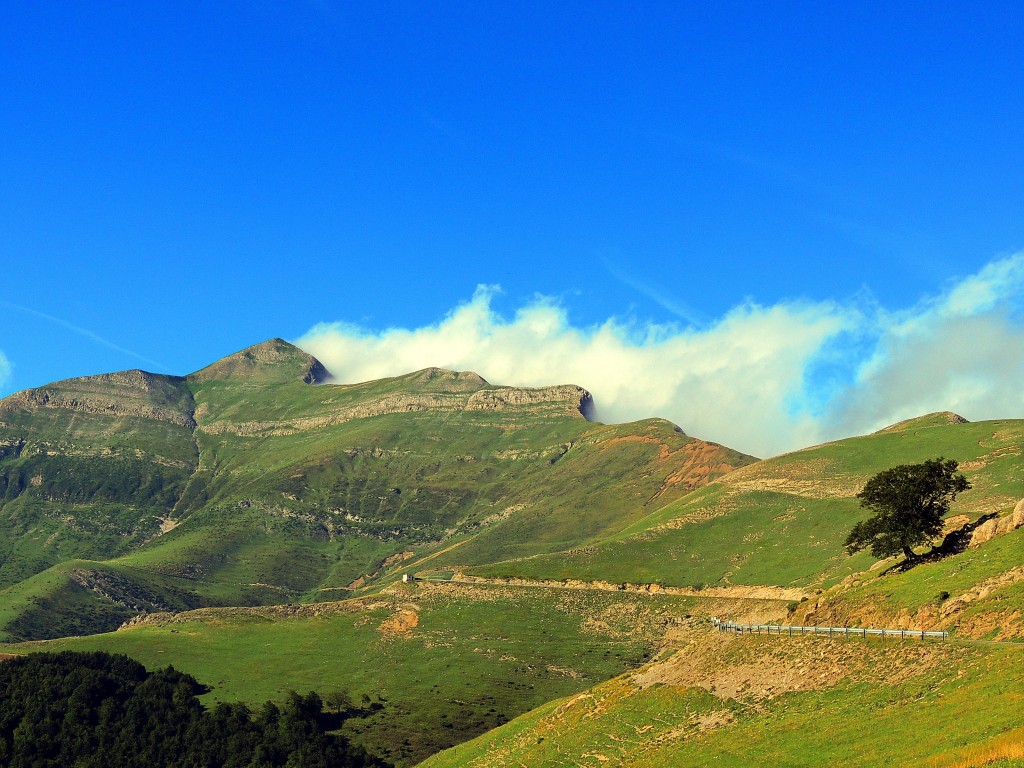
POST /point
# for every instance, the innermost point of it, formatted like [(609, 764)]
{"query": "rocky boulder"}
[(998, 526)]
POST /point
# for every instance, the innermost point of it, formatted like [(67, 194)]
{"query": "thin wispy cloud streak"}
[(84, 332), (678, 308), (762, 379), (5, 371)]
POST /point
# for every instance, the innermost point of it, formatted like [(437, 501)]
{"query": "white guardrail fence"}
[(781, 629)]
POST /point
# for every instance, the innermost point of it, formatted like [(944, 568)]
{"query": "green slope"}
[(81, 597), (302, 492), (90, 467), (977, 594), (780, 701), (783, 521)]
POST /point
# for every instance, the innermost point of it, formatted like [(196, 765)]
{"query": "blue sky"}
[(178, 181)]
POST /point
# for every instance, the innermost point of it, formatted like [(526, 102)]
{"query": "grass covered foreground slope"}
[(253, 481), (783, 521), (444, 662), (453, 660), (752, 700)]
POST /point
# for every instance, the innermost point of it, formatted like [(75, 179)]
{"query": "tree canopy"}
[(909, 502), (92, 710)]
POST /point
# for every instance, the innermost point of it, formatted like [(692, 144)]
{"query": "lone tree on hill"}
[(909, 502)]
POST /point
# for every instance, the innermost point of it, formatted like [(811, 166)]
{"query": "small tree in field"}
[(909, 502)]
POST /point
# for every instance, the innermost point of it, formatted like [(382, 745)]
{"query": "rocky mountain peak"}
[(269, 362)]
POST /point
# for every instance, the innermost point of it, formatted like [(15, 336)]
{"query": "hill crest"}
[(936, 419), (445, 380), (269, 362)]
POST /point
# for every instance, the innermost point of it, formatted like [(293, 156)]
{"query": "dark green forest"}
[(96, 710)]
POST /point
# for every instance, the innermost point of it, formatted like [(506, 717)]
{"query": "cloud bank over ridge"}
[(762, 379)]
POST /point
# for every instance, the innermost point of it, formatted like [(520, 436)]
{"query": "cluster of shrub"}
[(96, 710)]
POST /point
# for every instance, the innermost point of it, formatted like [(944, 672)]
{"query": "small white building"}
[(408, 578)]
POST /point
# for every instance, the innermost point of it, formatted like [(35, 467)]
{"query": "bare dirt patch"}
[(696, 463), (167, 525), (400, 624), (811, 479), (1006, 451), (449, 591), (756, 669), (733, 592)]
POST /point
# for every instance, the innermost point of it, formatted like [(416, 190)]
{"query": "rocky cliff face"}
[(567, 399), (140, 394), (551, 402)]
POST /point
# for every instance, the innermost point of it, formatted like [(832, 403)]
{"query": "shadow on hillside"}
[(954, 543), (333, 718)]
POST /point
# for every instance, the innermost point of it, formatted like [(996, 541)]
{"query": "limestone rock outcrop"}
[(568, 398), (565, 400), (998, 526)]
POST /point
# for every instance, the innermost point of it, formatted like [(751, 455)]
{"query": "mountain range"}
[(254, 481), (256, 515)]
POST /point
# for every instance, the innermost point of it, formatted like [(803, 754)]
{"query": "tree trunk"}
[(909, 553)]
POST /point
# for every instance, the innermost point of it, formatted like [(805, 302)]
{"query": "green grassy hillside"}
[(783, 521), (250, 482), (451, 662), (81, 597), (90, 467)]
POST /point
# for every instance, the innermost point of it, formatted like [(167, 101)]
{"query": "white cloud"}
[(752, 379), (997, 282)]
